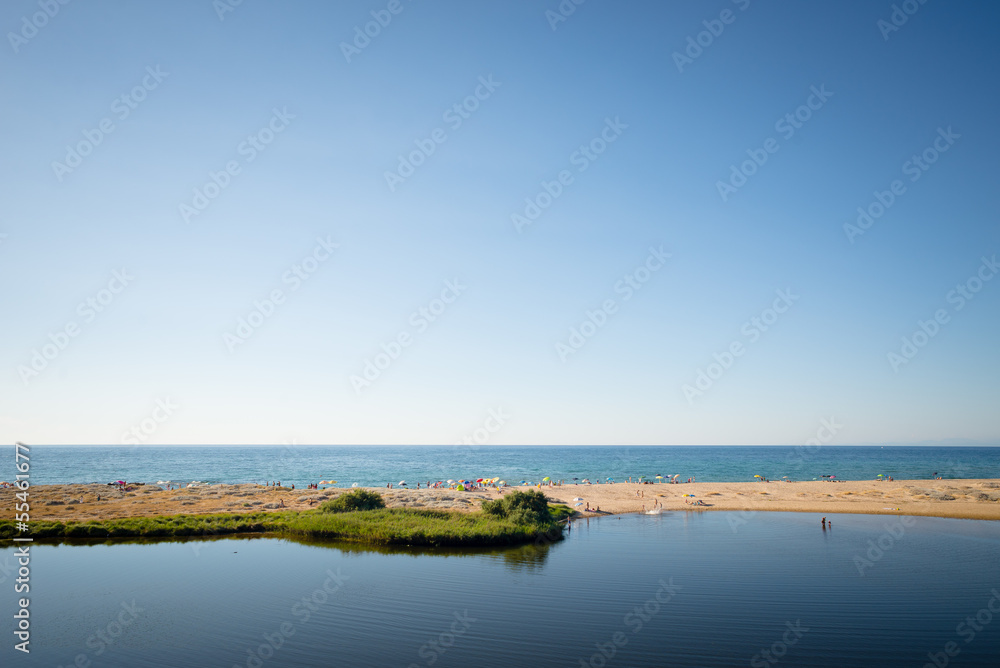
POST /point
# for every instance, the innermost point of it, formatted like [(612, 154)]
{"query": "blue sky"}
[(166, 361)]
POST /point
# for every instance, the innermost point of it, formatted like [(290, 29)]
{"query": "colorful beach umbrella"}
[(546, 479)]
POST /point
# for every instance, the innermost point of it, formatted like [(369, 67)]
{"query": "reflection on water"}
[(519, 556)]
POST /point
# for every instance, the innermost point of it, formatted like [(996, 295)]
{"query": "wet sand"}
[(971, 499)]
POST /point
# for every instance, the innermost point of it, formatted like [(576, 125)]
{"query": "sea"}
[(375, 466)]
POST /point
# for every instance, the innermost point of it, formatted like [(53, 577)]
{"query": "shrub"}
[(521, 507), (358, 499)]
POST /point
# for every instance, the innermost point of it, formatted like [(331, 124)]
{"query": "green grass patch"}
[(515, 520)]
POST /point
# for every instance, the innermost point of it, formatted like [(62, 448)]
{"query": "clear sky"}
[(653, 176)]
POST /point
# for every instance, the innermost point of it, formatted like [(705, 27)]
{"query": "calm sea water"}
[(680, 589), (375, 466)]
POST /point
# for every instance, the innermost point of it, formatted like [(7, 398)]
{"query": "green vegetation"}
[(357, 499), (359, 516), (522, 507)]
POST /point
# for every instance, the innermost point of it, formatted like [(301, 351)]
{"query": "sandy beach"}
[(971, 499)]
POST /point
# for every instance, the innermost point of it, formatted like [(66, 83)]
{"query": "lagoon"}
[(677, 589)]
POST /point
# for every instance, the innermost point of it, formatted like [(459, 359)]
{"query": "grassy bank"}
[(518, 518)]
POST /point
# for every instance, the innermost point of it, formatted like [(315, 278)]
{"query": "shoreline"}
[(956, 498)]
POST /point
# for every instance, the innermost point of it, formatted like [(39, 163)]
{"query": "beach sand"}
[(971, 499)]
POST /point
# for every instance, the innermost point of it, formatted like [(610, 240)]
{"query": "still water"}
[(681, 589)]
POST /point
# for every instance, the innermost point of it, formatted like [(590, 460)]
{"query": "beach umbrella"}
[(503, 482), (451, 482), (354, 484), (760, 476), (402, 482), (546, 479), (479, 479), (522, 483), (579, 498), (611, 479), (577, 504)]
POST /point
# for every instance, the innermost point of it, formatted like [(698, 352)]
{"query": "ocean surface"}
[(376, 466), (677, 589)]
